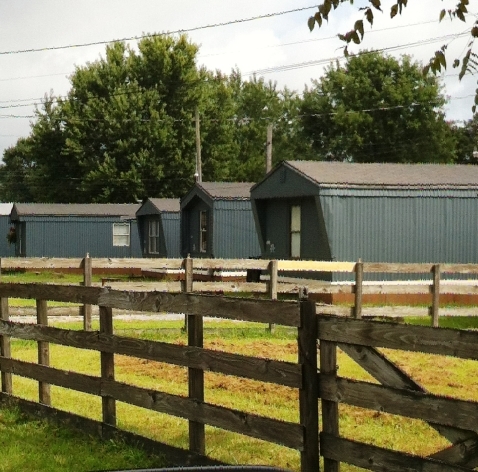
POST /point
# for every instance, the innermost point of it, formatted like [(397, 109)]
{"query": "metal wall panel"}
[(74, 237), (172, 229), (190, 229), (6, 249), (234, 230), (398, 227)]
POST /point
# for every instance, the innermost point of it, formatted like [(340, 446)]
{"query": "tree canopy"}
[(376, 108), (126, 129), (466, 141), (468, 62)]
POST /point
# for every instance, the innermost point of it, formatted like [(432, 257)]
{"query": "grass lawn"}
[(454, 377), (34, 446), (51, 448)]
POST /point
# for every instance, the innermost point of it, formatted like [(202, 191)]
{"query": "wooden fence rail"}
[(435, 286), (396, 392), (193, 356)]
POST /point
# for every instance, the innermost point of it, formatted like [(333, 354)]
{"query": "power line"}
[(301, 65), (180, 31), (293, 43), (32, 76), (246, 120)]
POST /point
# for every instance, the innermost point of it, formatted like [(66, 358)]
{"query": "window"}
[(20, 245), (203, 231), (295, 231), (121, 234), (153, 237)]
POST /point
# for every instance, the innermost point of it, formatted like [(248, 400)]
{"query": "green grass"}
[(40, 445), (457, 322), (455, 377), (28, 277)]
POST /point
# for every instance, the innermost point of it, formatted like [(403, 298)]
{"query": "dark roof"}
[(227, 190), (76, 209), (165, 204), (387, 175)]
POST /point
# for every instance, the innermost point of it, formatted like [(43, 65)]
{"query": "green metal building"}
[(217, 221), (316, 210), (72, 230)]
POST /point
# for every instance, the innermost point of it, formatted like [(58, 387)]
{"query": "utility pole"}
[(198, 149), (269, 149)]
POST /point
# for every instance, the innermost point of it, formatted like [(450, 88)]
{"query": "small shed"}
[(72, 230), (159, 227), (217, 221), (377, 212)]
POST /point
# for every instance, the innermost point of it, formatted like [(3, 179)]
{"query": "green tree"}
[(16, 171), (36, 168), (130, 120), (466, 141), (468, 62), (217, 128), (376, 108), (258, 105), (126, 129)]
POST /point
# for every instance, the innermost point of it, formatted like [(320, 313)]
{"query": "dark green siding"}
[(76, 236), (169, 237), (190, 228), (235, 235)]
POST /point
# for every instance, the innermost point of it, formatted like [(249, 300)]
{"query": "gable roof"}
[(155, 206), (127, 210), (226, 190), (344, 174), (165, 204)]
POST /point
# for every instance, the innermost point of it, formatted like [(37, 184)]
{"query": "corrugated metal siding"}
[(74, 237), (172, 229), (6, 249), (190, 229), (427, 228), (234, 230)]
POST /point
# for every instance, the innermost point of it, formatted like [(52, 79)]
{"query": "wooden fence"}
[(397, 394), (272, 284)]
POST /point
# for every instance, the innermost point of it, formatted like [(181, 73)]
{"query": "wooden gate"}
[(397, 394)]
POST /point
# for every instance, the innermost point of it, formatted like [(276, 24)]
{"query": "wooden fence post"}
[(43, 352), (187, 283), (87, 278), (107, 366), (6, 377), (272, 287), (358, 289), (197, 442), (330, 409), (436, 295), (273, 273), (309, 392)]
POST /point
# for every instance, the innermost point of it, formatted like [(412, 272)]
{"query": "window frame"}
[(203, 230), (117, 235), (153, 236), (295, 227)]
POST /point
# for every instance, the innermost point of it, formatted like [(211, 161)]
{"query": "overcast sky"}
[(279, 48)]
